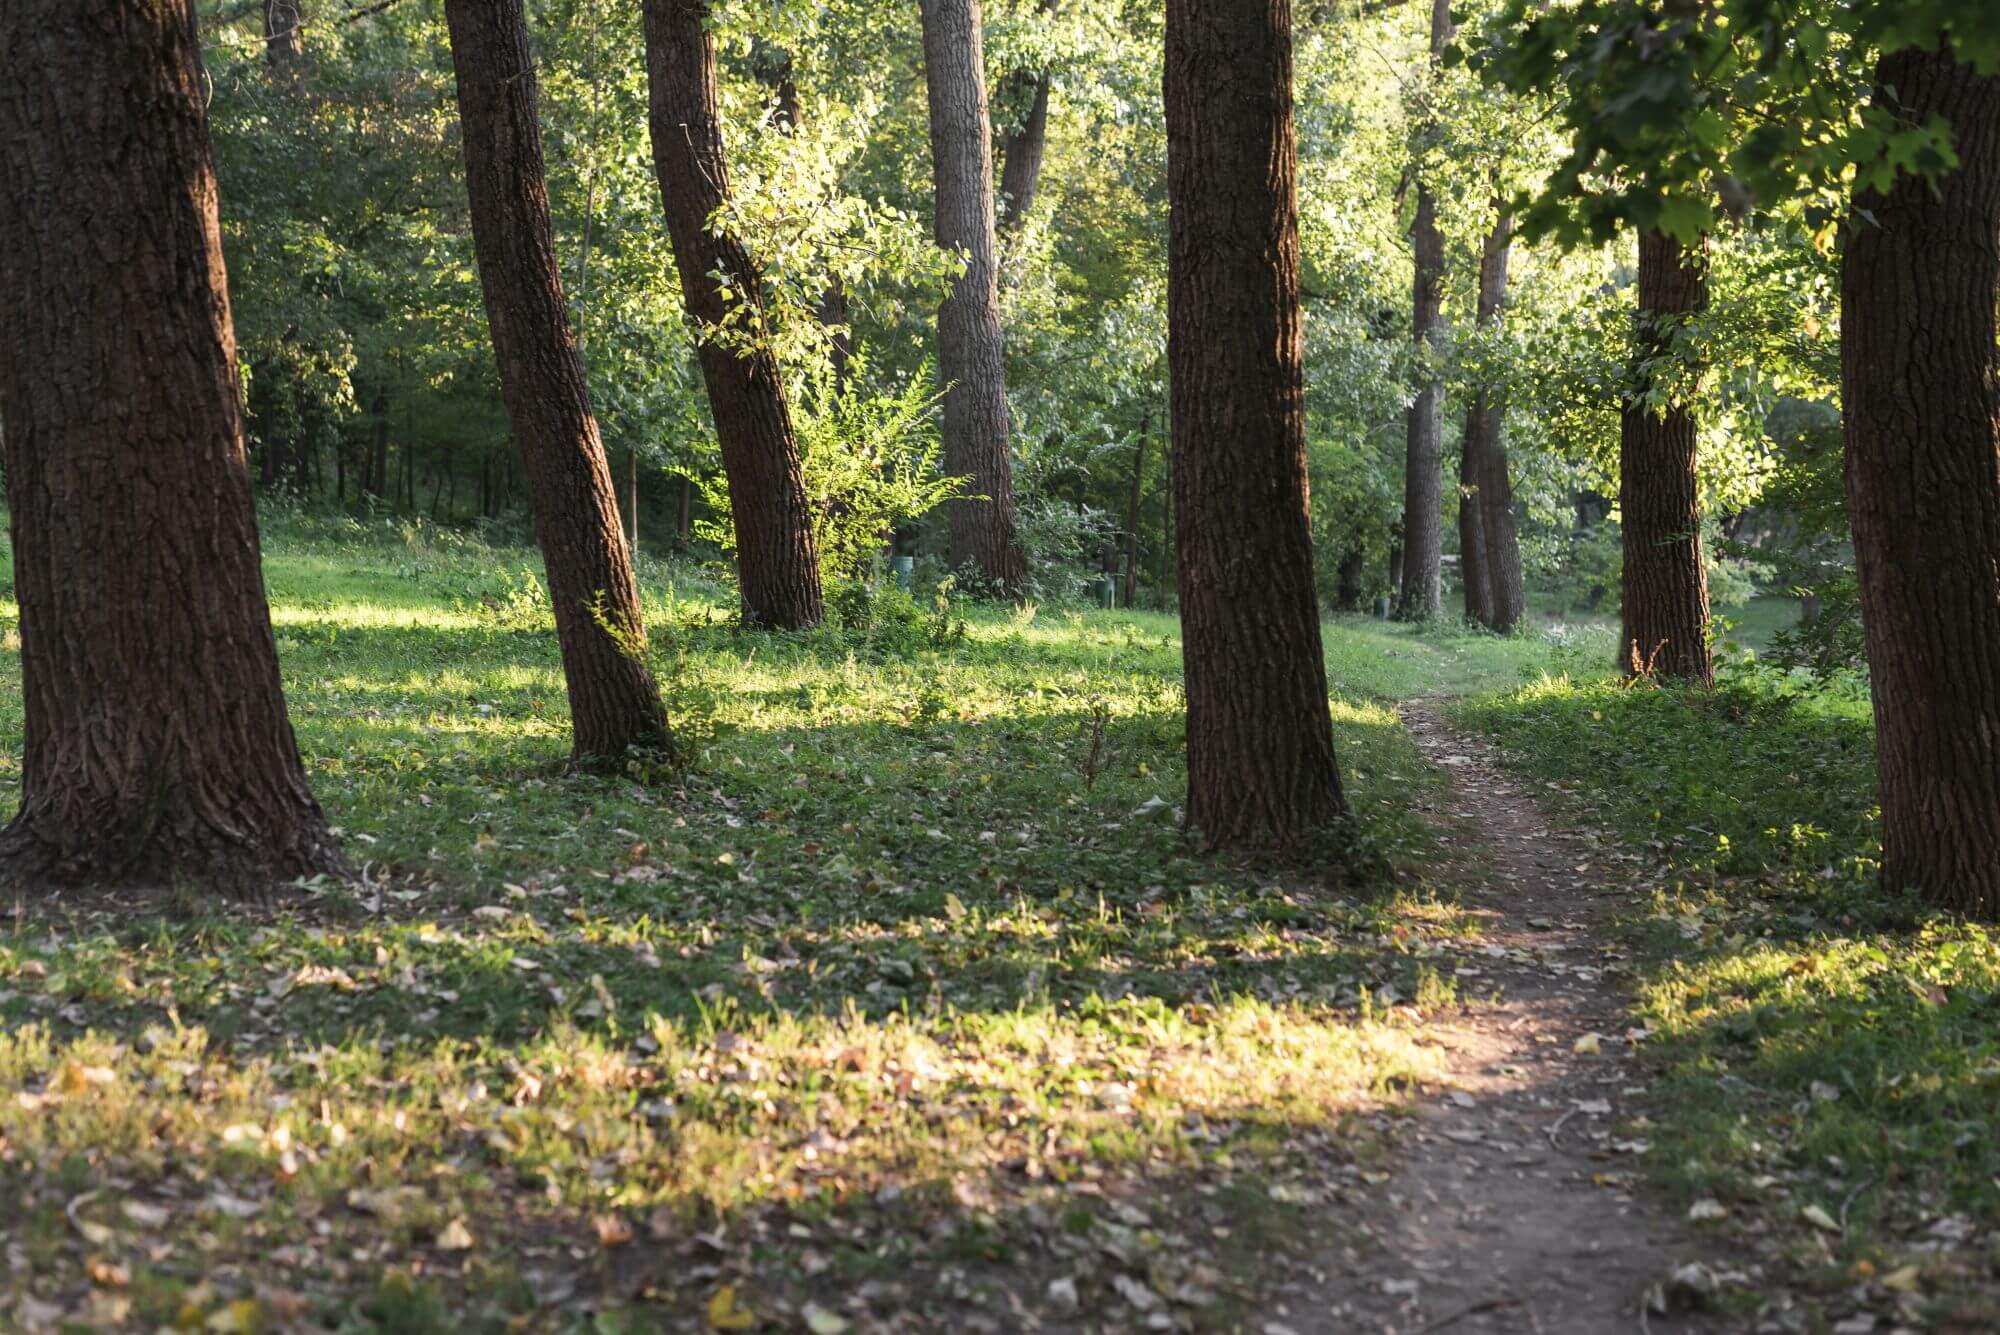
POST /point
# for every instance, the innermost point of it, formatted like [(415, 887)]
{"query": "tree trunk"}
[(375, 468), (1352, 567), (983, 533), (1132, 509), (1423, 461), (1483, 471), (284, 38), (1665, 590), (1261, 765), (1021, 152), (684, 511), (777, 562), (1921, 383), (614, 703), (157, 748)]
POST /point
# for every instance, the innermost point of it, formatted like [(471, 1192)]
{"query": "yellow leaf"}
[(455, 1238), (239, 1318), (724, 1313), (1902, 1280), (612, 1230), (954, 907), (1588, 1045)]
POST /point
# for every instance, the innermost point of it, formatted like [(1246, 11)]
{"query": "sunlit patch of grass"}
[(914, 971)]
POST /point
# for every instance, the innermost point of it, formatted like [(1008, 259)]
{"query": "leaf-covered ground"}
[(910, 1007)]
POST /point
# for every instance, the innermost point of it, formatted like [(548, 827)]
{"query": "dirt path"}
[(1512, 1206)]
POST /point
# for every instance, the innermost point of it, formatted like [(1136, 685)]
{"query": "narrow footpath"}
[(1514, 1203)]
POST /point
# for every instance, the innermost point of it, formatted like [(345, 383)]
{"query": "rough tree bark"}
[(156, 748), (776, 556), (614, 703), (1486, 487), (970, 353), (1921, 383), (1423, 462), (1261, 765), (1665, 588), (1132, 508)]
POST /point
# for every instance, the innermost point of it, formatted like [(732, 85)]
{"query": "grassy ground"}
[(1832, 1072), (914, 978)]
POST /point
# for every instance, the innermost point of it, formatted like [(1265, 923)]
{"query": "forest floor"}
[(909, 1007)]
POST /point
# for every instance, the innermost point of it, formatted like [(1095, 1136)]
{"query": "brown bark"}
[(1665, 589), (1261, 765), (1921, 383), (1353, 567), (156, 748), (1423, 462), (970, 353), (1491, 535), (614, 703), (776, 559)]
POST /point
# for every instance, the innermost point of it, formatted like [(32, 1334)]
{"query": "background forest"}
[(371, 381)]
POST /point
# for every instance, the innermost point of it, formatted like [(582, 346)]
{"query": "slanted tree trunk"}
[(1022, 150), (1423, 460), (156, 748), (1261, 765), (614, 703), (1921, 386), (1665, 590), (776, 558), (983, 532), (284, 35), (1486, 486)]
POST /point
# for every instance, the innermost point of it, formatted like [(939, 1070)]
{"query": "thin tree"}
[(1488, 532), (614, 702), (723, 291), (1920, 280), (1022, 149), (970, 351), (1665, 587), (1261, 766), (284, 35), (157, 747), (1423, 461)]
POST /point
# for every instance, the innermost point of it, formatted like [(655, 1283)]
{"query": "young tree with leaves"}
[(613, 700), (984, 534), (1423, 463), (723, 291), (1261, 766), (157, 744)]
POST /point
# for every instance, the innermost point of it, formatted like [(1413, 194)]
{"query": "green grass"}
[(912, 978), (1822, 1050)]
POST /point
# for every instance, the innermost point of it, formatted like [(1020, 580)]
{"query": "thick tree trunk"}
[(1471, 526), (1261, 766), (777, 562), (1665, 590), (1423, 461), (1486, 486), (983, 534), (1921, 383), (157, 749), (284, 37), (614, 703)]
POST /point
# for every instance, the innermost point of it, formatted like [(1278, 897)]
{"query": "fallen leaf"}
[(1589, 1045), (455, 1238), (822, 1322), (612, 1229), (1707, 1208), (1903, 1279), (97, 1235), (1818, 1218), (726, 1313)]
